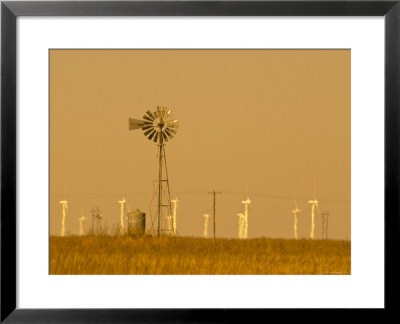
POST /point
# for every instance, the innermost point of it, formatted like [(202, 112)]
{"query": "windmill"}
[(205, 232), (296, 212), (175, 204), (81, 220), (64, 206), (121, 219), (246, 203), (241, 225), (314, 204), (159, 127)]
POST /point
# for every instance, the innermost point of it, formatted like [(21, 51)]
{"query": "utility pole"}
[(214, 193)]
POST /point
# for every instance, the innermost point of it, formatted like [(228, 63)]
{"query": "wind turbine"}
[(64, 206), (296, 212), (205, 232), (241, 225), (246, 203), (314, 204), (121, 219), (81, 220), (175, 204)]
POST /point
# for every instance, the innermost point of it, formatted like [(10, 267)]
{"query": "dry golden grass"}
[(181, 255)]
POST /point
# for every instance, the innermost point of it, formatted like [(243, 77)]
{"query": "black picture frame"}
[(10, 10)]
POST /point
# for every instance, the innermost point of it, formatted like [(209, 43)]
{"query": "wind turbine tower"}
[(296, 212), (314, 205), (241, 225), (205, 232), (121, 218), (81, 220), (159, 127), (175, 206), (64, 206), (246, 203)]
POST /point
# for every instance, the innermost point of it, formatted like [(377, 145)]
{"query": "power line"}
[(93, 195)]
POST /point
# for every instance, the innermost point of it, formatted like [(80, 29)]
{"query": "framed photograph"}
[(163, 159)]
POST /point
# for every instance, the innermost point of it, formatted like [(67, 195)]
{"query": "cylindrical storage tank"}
[(136, 223)]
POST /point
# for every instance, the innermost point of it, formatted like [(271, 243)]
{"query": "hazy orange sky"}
[(269, 123)]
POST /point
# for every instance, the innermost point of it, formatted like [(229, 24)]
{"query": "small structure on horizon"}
[(136, 223)]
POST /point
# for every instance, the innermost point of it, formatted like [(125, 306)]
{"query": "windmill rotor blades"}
[(148, 112), (148, 131), (171, 130), (164, 136), (147, 127), (156, 137), (173, 123), (148, 118), (157, 126), (167, 113), (168, 133), (152, 134)]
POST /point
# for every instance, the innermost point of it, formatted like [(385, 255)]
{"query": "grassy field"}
[(183, 255)]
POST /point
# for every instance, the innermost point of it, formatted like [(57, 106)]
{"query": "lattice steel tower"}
[(159, 127)]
